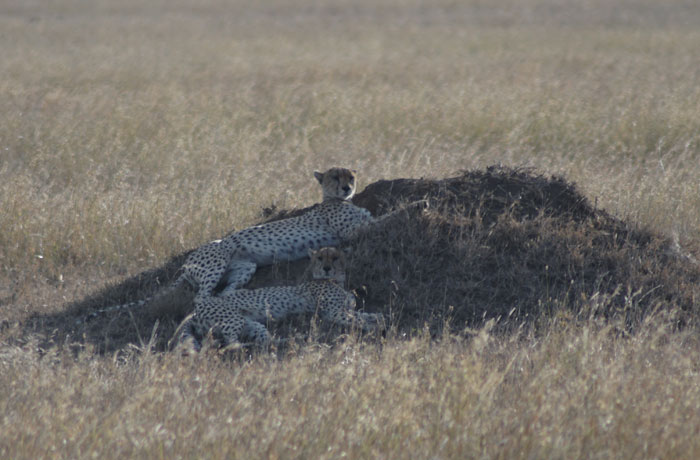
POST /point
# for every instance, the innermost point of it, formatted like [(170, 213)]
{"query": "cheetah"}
[(235, 258), (243, 312)]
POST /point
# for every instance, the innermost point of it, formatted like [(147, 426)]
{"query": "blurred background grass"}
[(132, 131)]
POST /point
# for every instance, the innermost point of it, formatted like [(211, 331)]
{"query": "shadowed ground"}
[(497, 244)]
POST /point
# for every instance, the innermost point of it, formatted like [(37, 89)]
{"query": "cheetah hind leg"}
[(240, 271), (260, 336), (184, 338), (256, 332)]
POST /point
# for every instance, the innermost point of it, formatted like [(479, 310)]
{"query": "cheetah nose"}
[(327, 269), (346, 188)]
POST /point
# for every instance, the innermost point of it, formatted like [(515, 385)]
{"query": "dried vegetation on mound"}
[(513, 245), (504, 244)]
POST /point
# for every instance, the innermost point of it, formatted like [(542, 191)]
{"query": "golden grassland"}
[(576, 392), (132, 131)]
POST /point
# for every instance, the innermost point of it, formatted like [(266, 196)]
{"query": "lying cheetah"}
[(243, 312), (238, 255)]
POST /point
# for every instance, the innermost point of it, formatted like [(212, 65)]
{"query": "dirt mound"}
[(490, 193), (501, 243), (512, 245)]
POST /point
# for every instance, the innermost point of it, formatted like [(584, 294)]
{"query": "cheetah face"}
[(337, 183), (328, 263)]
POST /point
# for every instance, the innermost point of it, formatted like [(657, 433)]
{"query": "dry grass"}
[(577, 392), (131, 132)]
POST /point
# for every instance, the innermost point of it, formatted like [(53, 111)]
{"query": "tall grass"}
[(131, 131), (192, 109), (578, 392)]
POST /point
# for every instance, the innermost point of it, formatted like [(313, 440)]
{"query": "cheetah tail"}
[(132, 305)]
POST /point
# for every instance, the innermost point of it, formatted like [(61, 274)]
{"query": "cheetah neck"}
[(338, 279), (335, 199), (324, 282)]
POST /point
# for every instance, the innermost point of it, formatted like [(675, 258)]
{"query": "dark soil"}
[(504, 244)]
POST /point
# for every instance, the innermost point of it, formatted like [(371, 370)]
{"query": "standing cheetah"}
[(244, 312), (238, 255)]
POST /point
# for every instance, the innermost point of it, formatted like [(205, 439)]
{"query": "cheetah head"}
[(328, 263), (337, 183)]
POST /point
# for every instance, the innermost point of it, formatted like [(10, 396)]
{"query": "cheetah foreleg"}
[(240, 271), (345, 317), (373, 222), (422, 204)]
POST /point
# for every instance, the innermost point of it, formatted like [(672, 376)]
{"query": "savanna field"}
[(545, 305)]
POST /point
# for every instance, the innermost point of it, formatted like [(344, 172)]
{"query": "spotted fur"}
[(244, 312), (236, 257)]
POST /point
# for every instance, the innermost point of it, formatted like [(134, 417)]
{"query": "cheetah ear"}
[(319, 176), (311, 253), (354, 171)]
